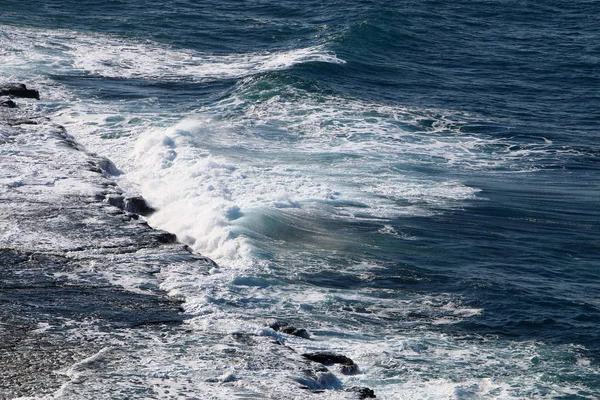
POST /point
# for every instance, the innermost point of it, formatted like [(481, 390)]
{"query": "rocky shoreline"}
[(81, 268), (59, 231)]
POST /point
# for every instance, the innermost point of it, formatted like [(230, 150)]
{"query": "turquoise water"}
[(416, 181)]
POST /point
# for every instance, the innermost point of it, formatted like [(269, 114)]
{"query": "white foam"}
[(209, 193), (114, 57), (222, 177), (425, 365)]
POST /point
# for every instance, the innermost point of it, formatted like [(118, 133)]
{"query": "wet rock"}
[(328, 358), (243, 337), (138, 205), (19, 90), (133, 216), (165, 237), (116, 201), (346, 365), (351, 369), (296, 332), (79, 276), (363, 392), (8, 104), (21, 121), (284, 327)]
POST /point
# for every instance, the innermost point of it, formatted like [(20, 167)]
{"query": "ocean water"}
[(416, 183)]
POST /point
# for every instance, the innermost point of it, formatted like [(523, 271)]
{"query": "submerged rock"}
[(317, 381), (107, 166), (351, 369), (228, 377)]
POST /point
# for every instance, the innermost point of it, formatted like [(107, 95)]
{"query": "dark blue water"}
[(518, 81)]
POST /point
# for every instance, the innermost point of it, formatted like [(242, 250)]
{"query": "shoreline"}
[(68, 251), (83, 269)]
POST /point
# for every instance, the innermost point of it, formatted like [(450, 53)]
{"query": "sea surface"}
[(416, 183)]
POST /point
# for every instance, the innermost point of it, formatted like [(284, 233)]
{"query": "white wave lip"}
[(319, 157), (186, 187), (205, 194)]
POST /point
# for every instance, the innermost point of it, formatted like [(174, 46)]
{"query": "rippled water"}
[(415, 183)]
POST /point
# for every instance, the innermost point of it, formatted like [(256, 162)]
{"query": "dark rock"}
[(283, 327), (363, 392), (133, 216), (116, 200), (165, 237), (328, 358), (303, 333), (203, 259), (138, 205), (8, 104), (19, 90), (351, 369)]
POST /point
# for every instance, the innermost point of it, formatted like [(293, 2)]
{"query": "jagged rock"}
[(19, 90), (290, 330), (363, 392), (8, 104), (138, 205)]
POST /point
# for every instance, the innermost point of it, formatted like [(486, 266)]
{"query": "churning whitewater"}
[(297, 201)]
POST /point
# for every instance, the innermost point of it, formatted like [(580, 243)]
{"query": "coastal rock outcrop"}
[(74, 270), (346, 365), (284, 327), (19, 90)]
